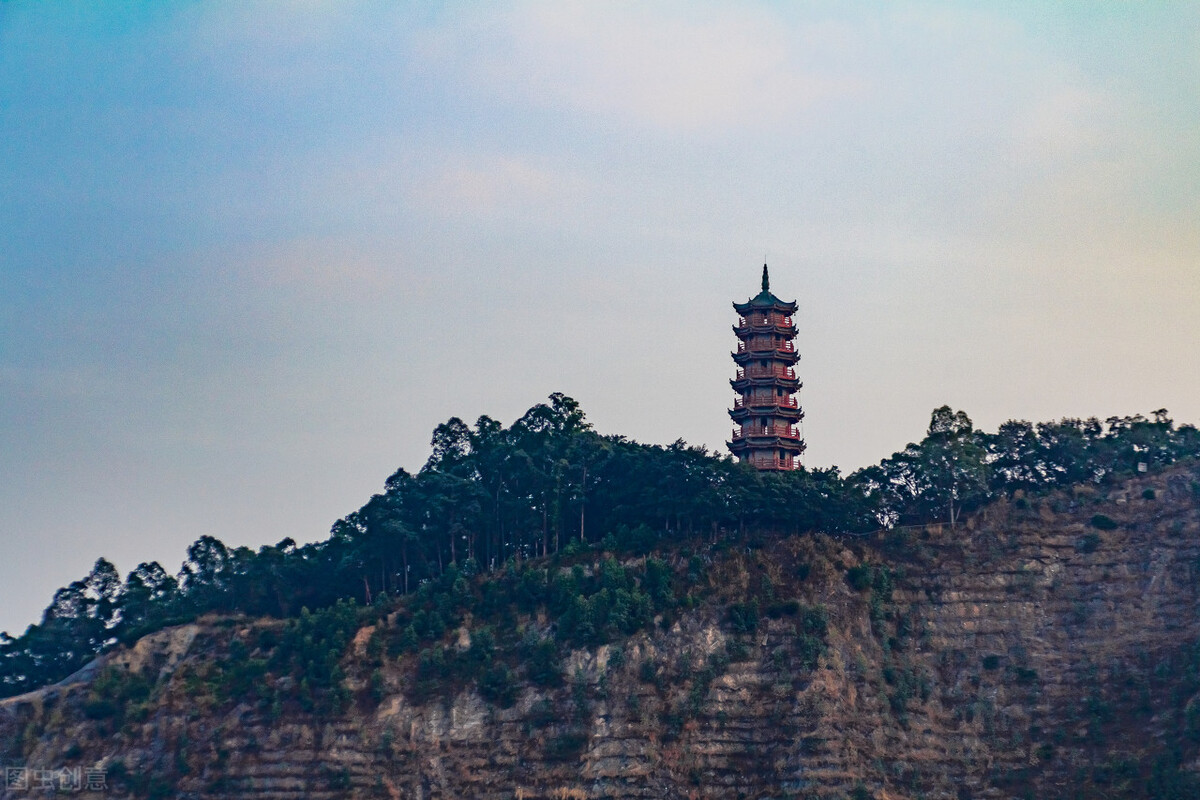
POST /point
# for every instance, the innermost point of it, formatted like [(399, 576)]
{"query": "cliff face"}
[(1045, 648)]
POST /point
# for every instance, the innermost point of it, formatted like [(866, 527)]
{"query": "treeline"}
[(491, 496), (957, 468)]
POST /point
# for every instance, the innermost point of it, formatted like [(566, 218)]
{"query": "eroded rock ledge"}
[(1020, 654)]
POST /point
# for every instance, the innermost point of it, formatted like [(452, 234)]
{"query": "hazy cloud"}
[(674, 68), (486, 187)]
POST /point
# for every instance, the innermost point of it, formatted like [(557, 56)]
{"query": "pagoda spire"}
[(766, 280)]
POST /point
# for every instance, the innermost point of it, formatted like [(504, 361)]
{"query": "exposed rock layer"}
[(1014, 655)]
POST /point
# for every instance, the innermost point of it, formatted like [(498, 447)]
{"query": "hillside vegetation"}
[(1044, 647), (492, 499)]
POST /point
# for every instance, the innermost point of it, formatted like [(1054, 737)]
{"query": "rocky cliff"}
[(1045, 648)]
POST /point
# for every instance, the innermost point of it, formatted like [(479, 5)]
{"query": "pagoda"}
[(766, 410)]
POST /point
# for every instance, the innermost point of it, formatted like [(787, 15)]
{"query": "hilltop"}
[(1046, 648), (735, 634)]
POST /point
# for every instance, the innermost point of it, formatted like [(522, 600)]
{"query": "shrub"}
[(431, 664), (907, 684), (337, 779), (409, 641), (737, 651), (99, 708), (744, 616), (991, 662), (616, 658), (783, 608), (542, 714), (498, 686), (809, 649), (859, 577), (566, 745), (1169, 782), (1116, 770), (815, 621), (639, 540), (114, 692), (541, 655), (1088, 543), (309, 647), (1191, 718), (482, 649), (657, 582), (378, 687), (1024, 675), (1104, 522)]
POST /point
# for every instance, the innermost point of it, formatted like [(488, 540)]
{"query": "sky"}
[(252, 253)]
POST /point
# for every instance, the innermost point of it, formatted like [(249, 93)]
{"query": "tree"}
[(450, 445), (205, 574), (954, 462), (148, 595), (946, 471), (1018, 458)]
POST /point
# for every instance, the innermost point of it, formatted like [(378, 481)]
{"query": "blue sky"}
[(251, 253)]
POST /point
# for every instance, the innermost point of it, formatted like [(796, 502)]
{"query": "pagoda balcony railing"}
[(783, 431), (766, 372), (757, 322), (773, 462), (770, 401), (770, 347)]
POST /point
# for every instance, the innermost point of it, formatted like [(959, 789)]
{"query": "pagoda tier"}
[(745, 329), (757, 372), (784, 462), (784, 354), (744, 410), (741, 384), (758, 380), (746, 435), (766, 410)]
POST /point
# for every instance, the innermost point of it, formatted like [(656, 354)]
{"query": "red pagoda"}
[(766, 410)]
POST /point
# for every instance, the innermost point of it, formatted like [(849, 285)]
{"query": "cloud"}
[(320, 267), (498, 185), (687, 70), (272, 45), (1062, 117)]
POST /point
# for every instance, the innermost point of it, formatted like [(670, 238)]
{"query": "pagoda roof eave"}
[(738, 446), (793, 415), (790, 384), (744, 333), (782, 356), (765, 300)]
